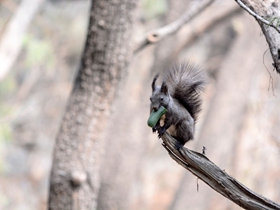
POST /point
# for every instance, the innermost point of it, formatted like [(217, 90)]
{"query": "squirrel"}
[(179, 93)]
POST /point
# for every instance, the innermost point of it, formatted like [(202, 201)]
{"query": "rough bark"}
[(75, 178), (267, 14), (199, 165)]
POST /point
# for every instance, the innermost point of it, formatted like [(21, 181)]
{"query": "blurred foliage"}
[(38, 51), (5, 132), (5, 110), (7, 87), (5, 136), (153, 8), (4, 200)]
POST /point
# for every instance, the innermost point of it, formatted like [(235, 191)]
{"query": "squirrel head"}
[(160, 95)]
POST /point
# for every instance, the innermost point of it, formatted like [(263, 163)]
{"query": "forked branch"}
[(271, 30), (217, 179), (258, 17)]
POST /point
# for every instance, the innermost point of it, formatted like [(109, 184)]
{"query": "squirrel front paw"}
[(161, 131), (156, 128)]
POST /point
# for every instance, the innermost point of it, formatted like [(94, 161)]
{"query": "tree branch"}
[(269, 10), (160, 33), (251, 12), (217, 179)]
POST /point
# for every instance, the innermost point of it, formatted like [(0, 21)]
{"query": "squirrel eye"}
[(161, 98)]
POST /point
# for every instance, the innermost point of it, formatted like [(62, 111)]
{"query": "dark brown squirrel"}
[(180, 95)]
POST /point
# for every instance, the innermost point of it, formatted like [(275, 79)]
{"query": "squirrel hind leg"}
[(185, 132), (178, 145)]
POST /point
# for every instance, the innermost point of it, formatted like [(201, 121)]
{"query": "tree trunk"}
[(75, 176)]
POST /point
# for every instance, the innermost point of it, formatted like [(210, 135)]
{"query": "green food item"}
[(155, 116)]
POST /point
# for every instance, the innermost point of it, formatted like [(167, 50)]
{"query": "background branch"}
[(11, 41), (160, 33), (216, 178)]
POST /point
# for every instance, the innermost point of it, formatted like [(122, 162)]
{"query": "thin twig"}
[(251, 12), (270, 76), (218, 179), (160, 33)]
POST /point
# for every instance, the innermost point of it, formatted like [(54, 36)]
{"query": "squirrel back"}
[(185, 81)]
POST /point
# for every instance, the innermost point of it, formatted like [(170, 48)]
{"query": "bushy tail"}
[(188, 81)]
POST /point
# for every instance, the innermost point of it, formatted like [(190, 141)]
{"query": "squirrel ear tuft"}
[(154, 82), (164, 88)]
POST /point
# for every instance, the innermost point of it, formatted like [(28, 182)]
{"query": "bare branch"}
[(273, 40), (251, 12), (217, 179), (160, 33), (11, 42), (269, 10)]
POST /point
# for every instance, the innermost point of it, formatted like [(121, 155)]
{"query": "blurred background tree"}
[(239, 125)]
